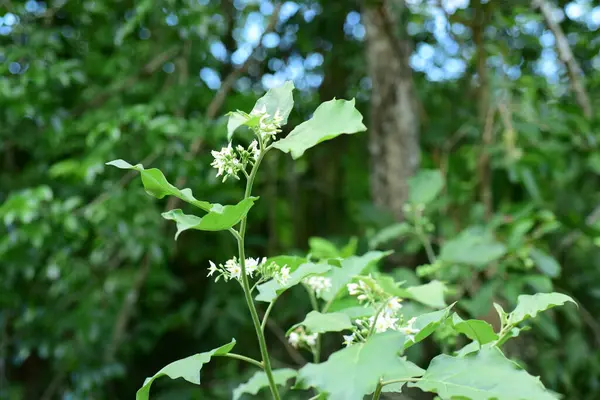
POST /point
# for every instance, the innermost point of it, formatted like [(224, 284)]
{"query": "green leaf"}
[(316, 322), (331, 119), (425, 186), (187, 368), (353, 372), (269, 290), (357, 311), (280, 99), (259, 380), (427, 324), (529, 306), (476, 329), (322, 248), (350, 267), (219, 217), (292, 262), (545, 262), (156, 184), (474, 247), (486, 375), (431, 294)]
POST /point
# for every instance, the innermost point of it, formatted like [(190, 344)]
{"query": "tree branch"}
[(566, 56)]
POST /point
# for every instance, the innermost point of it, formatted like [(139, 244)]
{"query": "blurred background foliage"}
[(95, 294)]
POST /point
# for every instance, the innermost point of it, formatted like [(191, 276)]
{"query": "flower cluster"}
[(230, 161), (268, 127), (319, 284), (298, 337), (388, 315), (232, 269)]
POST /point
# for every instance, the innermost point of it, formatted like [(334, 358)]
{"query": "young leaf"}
[(219, 217), (529, 306), (427, 324), (353, 372), (187, 368), (280, 99), (350, 267), (482, 376), (269, 290), (476, 329), (315, 322), (259, 380), (156, 184), (331, 119), (276, 99)]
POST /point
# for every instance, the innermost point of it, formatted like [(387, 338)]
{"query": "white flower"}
[(226, 162), (393, 305), (213, 268), (294, 339), (319, 284), (349, 340), (383, 323), (353, 289), (254, 150), (283, 276), (259, 111), (311, 340), (362, 297), (252, 265), (409, 330), (234, 269)]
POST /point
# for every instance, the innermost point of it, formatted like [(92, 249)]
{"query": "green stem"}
[(378, 390), (267, 312), (246, 286), (243, 358), (315, 305)]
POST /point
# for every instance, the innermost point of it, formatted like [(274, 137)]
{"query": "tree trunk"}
[(394, 125)]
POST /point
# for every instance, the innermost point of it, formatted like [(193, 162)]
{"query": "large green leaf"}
[(259, 380), (157, 185), (269, 290), (353, 372), (427, 324), (350, 267), (484, 375), (218, 218), (529, 306), (475, 329), (425, 186), (473, 246), (331, 119), (187, 368), (316, 322)]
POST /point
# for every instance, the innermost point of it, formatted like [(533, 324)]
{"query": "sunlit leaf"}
[(427, 324), (316, 322), (528, 306), (218, 218), (187, 368), (330, 120), (475, 329), (484, 375), (431, 294), (269, 290), (353, 372), (259, 380)]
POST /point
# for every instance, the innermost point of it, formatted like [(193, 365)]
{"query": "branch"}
[(128, 306), (566, 56)]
